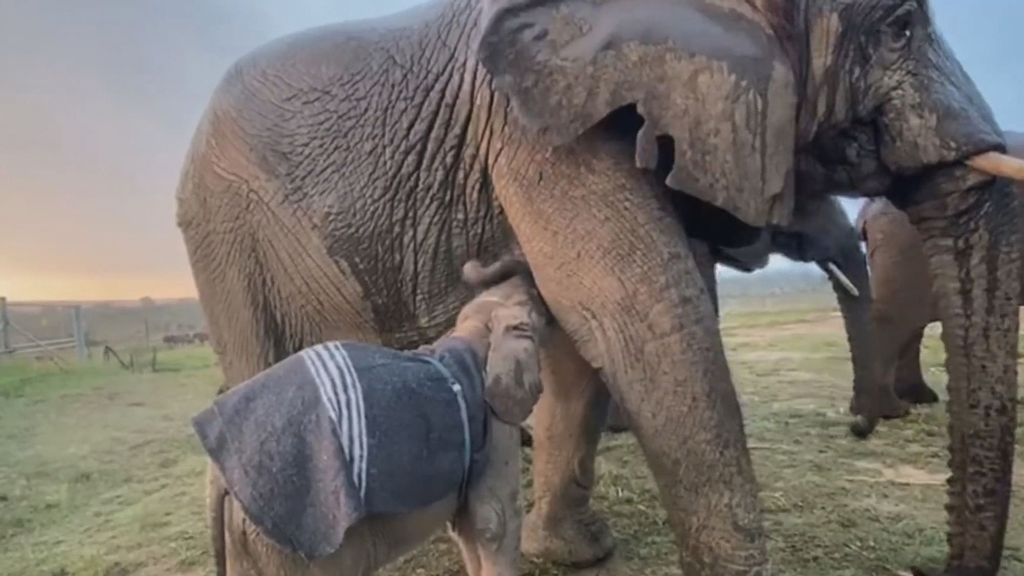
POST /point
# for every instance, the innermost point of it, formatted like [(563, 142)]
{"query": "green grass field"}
[(100, 473)]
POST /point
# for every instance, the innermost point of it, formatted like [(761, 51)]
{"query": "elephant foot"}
[(868, 413), (952, 572), (578, 539), (892, 408), (917, 393), (862, 426), (613, 565)]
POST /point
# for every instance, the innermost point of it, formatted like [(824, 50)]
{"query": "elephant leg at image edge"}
[(909, 383), (567, 422)]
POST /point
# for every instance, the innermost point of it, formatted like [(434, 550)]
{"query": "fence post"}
[(5, 342), (79, 332)]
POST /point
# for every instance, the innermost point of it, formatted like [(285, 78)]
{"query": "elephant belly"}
[(415, 301)]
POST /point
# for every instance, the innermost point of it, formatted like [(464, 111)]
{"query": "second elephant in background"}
[(821, 234), (904, 303)]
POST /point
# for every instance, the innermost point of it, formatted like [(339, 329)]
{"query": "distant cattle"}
[(186, 338), (178, 339)]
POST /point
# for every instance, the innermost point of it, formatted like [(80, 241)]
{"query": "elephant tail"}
[(216, 499)]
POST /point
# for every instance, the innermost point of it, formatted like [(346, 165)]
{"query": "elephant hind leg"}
[(910, 384), (267, 285), (567, 422)]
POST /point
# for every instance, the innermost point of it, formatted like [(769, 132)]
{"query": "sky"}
[(99, 100)]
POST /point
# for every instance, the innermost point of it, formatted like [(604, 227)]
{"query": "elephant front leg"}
[(618, 420), (562, 527), (610, 261)]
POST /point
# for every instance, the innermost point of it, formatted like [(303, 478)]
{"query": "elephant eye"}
[(901, 29)]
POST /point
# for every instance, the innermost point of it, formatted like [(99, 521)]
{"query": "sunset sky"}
[(99, 98)]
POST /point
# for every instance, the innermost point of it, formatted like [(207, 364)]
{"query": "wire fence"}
[(16, 339), (64, 332)]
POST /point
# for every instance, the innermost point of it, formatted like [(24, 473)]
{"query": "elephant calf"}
[(342, 458)]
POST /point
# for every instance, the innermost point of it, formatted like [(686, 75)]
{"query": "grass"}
[(100, 473)]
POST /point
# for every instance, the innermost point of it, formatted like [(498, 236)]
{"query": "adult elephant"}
[(905, 300), (820, 233), (341, 176)]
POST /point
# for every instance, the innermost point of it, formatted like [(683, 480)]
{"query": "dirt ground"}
[(100, 473)]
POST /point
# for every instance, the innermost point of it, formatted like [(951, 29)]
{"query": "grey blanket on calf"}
[(343, 430)]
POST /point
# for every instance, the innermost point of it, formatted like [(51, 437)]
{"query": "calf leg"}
[(488, 525), (567, 424)]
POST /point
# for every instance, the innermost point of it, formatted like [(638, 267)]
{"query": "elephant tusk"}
[(838, 275), (998, 164)]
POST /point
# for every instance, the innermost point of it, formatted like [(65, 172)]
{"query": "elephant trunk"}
[(871, 400), (968, 226)]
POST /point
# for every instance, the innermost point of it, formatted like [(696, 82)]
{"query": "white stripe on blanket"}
[(320, 376), (358, 414), (342, 389), (336, 392)]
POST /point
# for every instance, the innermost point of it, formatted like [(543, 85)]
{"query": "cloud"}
[(97, 106), (100, 99)]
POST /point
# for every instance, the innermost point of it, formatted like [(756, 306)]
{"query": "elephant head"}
[(746, 102), (511, 310)]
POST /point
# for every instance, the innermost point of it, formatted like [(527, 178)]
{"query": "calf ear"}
[(709, 73), (513, 366)]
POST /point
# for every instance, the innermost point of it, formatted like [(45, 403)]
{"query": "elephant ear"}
[(513, 383), (708, 73)]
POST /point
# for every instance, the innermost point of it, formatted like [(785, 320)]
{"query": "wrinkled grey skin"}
[(342, 175), (505, 325), (905, 302), (820, 233)]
